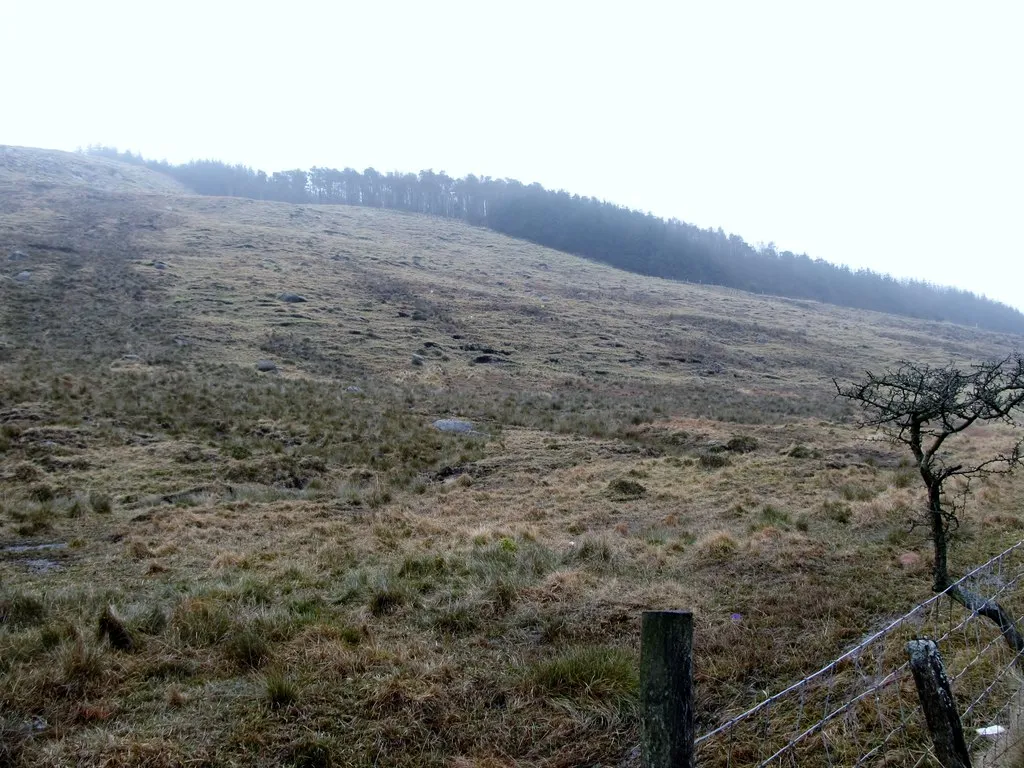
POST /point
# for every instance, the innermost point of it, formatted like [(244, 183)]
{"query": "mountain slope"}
[(313, 574), (600, 231)]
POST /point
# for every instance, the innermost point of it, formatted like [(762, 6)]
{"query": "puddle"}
[(17, 549), (36, 565), (42, 566)]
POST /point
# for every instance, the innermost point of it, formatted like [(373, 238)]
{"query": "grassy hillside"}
[(310, 573)]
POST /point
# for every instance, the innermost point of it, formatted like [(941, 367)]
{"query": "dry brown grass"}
[(315, 576)]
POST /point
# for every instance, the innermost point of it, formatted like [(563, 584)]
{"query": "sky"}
[(875, 134)]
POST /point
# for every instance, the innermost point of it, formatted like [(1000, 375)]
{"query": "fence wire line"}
[(896, 723)]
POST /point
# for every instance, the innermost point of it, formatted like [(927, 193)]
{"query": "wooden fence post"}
[(666, 682), (938, 704)]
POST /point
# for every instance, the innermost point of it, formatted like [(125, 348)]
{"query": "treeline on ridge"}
[(598, 230)]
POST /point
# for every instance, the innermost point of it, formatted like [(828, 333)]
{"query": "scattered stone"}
[(354, 390), (181, 341), (292, 298), (418, 359), (454, 425), (266, 366), (23, 276), (17, 256), (159, 265)]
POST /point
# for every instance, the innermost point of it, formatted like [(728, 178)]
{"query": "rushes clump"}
[(248, 648), (281, 692), (602, 672), (22, 610)]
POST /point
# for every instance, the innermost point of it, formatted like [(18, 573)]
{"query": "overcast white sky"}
[(879, 134)]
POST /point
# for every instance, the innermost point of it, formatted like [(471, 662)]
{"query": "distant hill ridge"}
[(598, 230)]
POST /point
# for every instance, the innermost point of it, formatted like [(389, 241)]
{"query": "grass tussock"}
[(598, 672)]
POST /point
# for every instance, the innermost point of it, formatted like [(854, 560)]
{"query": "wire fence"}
[(862, 709)]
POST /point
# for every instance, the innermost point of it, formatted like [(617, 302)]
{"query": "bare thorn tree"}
[(921, 407)]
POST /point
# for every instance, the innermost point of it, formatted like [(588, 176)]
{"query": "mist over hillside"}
[(598, 230)]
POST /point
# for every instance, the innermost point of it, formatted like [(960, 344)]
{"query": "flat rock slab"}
[(455, 425)]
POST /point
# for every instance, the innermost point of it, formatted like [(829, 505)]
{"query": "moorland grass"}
[(314, 575)]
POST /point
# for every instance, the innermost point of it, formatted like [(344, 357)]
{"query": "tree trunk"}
[(993, 611), (990, 609), (940, 570)]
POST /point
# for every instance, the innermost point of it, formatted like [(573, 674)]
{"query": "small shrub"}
[(714, 460), (624, 490), (101, 503), (801, 451), (239, 451), (42, 492), (742, 444)]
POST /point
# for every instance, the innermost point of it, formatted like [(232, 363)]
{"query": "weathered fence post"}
[(666, 682), (938, 704)]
